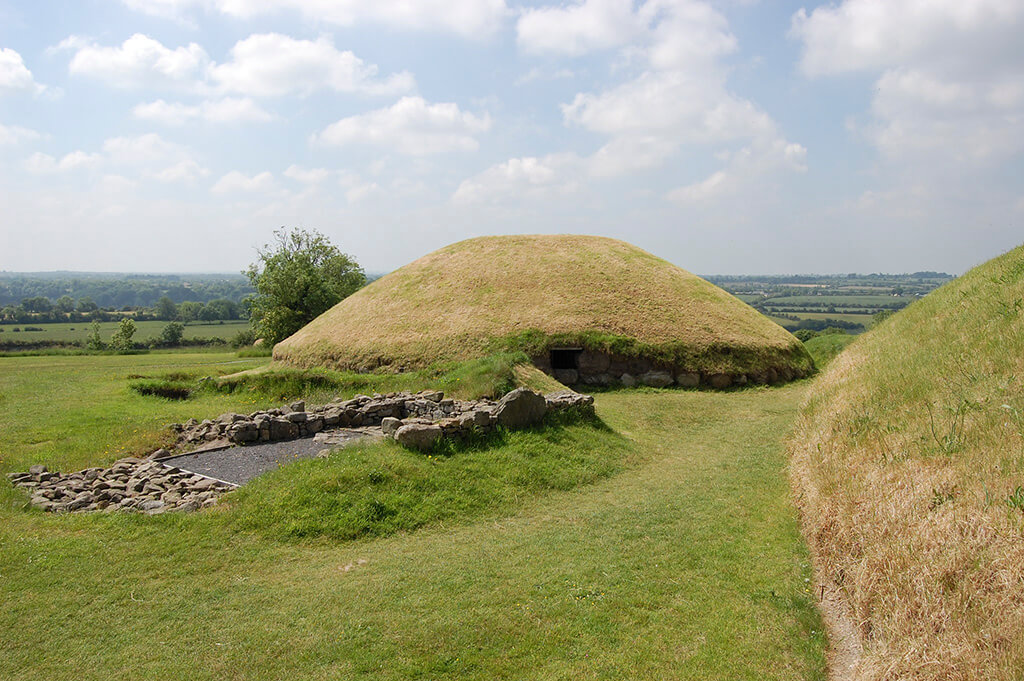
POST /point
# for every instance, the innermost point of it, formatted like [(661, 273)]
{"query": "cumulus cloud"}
[(140, 61), (187, 171), (677, 98), (306, 175), (225, 110), (468, 18), (950, 73), (578, 29), (526, 177), (147, 155), (262, 65), (272, 64), (235, 181), (14, 75), (11, 135), (42, 164), (410, 126)]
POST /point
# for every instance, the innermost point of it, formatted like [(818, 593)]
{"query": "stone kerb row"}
[(602, 369), (428, 408)]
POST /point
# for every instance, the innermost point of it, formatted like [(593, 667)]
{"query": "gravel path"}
[(239, 465)]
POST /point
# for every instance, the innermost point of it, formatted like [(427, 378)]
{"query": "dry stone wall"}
[(603, 369)]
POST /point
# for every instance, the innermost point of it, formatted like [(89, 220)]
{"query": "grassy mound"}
[(533, 292), (907, 462), (377, 490)]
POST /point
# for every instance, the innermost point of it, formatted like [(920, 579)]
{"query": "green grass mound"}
[(531, 293), (377, 490), (908, 465)]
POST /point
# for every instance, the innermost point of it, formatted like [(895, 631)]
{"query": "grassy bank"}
[(682, 560), (908, 462)]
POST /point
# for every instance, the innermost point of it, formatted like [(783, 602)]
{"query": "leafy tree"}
[(93, 341), (296, 279), (189, 311), (65, 304), (86, 305), (172, 334), (805, 335), (121, 341), (166, 309), (37, 304)]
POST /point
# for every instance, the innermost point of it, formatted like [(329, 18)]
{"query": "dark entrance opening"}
[(565, 358)]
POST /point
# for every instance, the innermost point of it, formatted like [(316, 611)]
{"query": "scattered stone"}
[(688, 379), (520, 408), (390, 425), (418, 435), (719, 381)]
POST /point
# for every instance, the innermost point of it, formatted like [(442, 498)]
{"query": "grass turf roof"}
[(908, 468), (531, 291)]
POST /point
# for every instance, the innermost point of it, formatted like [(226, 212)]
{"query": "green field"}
[(65, 333), (678, 558)]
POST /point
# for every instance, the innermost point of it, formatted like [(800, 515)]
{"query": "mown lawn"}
[(680, 560)]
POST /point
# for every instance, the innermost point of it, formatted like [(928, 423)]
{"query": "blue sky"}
[(730, 136)]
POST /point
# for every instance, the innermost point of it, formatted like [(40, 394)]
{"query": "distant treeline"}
[(116, 292)]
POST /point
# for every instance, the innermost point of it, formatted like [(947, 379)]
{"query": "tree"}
[(172, 334), (166, 309), (86, 305), (296, 279), (121, 341), (94, 342), (37, 304), (189, 311), (65, 304)]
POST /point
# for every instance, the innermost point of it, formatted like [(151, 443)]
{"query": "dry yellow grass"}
[(453, 303), (907, 463)]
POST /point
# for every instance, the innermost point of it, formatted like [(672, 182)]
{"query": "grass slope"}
[(908, 462), (686, 564), (460, 301)]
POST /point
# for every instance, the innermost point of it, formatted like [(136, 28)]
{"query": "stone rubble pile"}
[(134, 485), (427, 414)]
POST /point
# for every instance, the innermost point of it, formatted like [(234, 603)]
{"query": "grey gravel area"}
[(240, 464)]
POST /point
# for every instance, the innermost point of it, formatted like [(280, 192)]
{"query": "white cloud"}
[(183, 171), (579, 28), (468, 18), (271, 64), (148, 155), (262, 65), (41, 164), (139, 62), (226, 110), (518, 178), (950, 73), (143, 149), (677, 100), (236, 181), (410, 126), (14, 134), (14, 75), (306, 175), (744, 168), (539, 74)]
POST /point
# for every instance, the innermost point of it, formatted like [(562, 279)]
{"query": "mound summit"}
[(586, 309)]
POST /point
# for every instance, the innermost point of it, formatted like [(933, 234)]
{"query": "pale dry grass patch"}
[(453, 303), (904, 464)]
